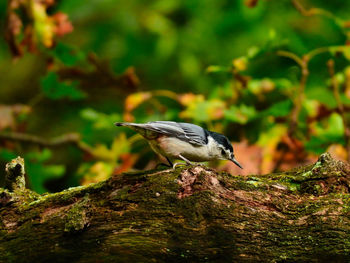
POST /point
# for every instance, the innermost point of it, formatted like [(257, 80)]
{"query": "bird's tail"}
[(140, 128), (124, 124), (130, 124)]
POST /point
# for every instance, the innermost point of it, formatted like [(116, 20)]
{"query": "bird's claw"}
[(185, 164)]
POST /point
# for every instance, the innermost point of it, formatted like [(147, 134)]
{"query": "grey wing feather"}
[(185, 131)]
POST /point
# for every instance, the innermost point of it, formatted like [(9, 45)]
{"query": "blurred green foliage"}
[(254, 70)]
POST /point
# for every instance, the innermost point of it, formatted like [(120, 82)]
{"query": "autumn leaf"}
[(14, 26), (62, 24), (43, 25), (251, 3), (9, 115), (98, 172), (135, 99), (119, 146), (204, 110), (29, 24), (338, 151), (240, 114), (240, 63), (268, 141), (190, 98), (127, 162)]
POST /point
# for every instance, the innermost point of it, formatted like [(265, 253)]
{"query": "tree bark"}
[(191, 214)]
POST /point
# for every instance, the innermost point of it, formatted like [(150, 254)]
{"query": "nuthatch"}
[(186, 141)]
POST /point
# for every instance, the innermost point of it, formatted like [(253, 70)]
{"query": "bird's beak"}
[(236, 162)]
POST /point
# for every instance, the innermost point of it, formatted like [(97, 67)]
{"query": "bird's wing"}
[(184, 131)]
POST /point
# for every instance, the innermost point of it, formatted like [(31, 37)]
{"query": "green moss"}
[(76, 218), (121, 194)]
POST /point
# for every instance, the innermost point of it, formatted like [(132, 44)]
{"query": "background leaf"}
[(54, 89)]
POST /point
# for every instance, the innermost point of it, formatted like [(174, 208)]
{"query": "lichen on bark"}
[(15, 179)]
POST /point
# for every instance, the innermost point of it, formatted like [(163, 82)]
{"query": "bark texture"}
[(191, 214)]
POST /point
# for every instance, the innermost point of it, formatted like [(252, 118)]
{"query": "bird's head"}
[(224, 149)]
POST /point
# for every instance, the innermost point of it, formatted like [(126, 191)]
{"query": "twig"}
[(166, 93), (300, 96), (320, 50), (290, 55), (312, 11), (320, 12), (70, 138), (340, 106)]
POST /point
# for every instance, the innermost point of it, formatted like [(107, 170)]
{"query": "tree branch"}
[(300, 93), (69, 138), (191, 214)]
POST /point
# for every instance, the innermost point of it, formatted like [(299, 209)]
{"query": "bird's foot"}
[(184, 164), (176, 164)]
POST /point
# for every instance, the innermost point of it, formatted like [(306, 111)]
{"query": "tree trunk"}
[(191, 214)]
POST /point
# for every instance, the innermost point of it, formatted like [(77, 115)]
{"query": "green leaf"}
[(89, 114), (253, 51), (7, 155), (54, 89), (68, 55), (333, 132), (100, 120), (216, 68), (39, 156), (279, 109), (241, 114), (343, 49), (38, 173), (335, 126), (323, 95)]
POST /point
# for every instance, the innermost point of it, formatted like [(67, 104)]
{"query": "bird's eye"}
[(223, 152)]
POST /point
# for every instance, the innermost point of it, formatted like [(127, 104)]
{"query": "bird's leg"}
[(187, 161), (170, 164), (183, 158)]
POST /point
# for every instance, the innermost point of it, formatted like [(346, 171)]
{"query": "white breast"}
[(173, 147)]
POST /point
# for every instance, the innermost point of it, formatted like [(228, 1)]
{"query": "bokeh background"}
[(273, 76)]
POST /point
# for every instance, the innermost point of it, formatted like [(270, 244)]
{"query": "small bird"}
[(186, 141)]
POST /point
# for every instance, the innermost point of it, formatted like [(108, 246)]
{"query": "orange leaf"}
[(338, 151), (190, 98), (62, 24), (134, 100), (128, 160)]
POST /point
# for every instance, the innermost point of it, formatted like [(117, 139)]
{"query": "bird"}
[(184, 141)]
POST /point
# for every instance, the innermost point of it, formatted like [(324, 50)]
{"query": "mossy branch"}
[(191, 214)]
